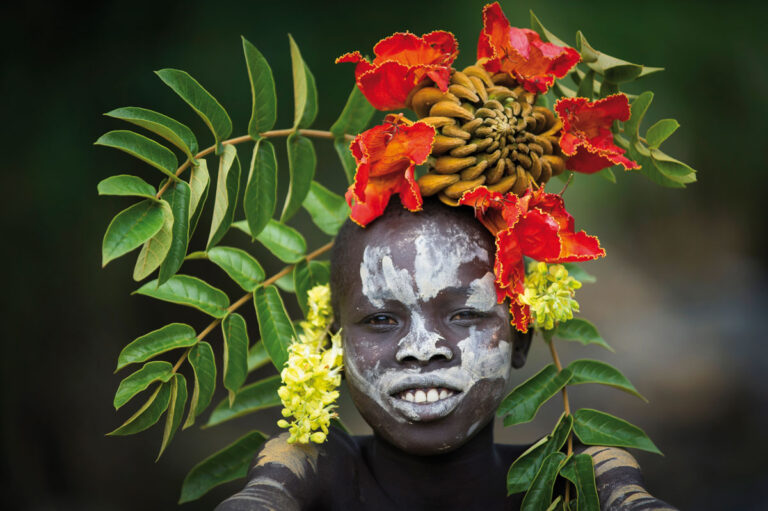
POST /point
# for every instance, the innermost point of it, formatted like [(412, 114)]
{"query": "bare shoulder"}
[(289, 477), (282, 477), (620, 484)]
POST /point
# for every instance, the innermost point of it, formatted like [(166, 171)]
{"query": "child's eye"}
[(466, 315), (380, 320)]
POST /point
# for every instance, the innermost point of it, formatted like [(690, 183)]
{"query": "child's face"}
[(427, 350)]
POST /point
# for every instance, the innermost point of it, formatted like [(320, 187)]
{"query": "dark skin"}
[(407, 328)]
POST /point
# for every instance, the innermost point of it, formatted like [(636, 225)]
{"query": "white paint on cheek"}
[(440, 255), (369, 382), (481, 360), (482, 293)]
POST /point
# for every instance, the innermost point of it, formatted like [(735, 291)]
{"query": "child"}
[(428, 354)]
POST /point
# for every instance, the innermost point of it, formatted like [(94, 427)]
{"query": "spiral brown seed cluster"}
[(489, 132)]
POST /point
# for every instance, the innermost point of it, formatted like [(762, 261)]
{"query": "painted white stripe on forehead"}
[(439, 255)]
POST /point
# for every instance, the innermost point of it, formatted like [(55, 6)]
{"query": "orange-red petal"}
[(386, 156), (587, 137), (402, 61), (521, 52)]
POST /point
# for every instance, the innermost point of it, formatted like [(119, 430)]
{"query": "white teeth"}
[(427, 395)]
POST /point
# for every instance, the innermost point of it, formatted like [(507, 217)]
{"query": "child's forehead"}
[(419, 264)]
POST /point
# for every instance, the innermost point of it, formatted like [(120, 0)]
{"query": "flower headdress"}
[(490, 136)]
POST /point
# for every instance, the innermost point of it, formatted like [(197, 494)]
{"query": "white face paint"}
[(438, 260)]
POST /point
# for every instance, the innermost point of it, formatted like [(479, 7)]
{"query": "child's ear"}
[(520, 344)]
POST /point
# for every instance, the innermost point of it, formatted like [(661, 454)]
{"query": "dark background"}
[(680, 296)]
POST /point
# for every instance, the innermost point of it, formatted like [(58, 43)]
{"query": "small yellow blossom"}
[(549, 292), (312, 373)]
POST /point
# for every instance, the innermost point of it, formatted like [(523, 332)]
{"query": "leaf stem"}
[(567, 407), (246, 138), (246, 297)]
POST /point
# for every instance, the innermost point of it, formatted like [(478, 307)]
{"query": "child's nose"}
[(420, 344)]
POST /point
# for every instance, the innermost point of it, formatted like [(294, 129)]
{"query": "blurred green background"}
[(680, 295)]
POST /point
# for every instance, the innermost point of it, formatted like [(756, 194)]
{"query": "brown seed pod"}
[(490, 130), (456, 190), (430, 184)]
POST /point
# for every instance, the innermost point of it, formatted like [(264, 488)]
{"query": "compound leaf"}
[(239, 265), (525, 400), (328, 210), (156, 248), (143, 148), (148, 414), (189, 291), (141, 379), (170, 129), (162, 340), (275, 326), (177, 196), (301, 166), (126, 185), (260, 198), (131, 228), (235, 365), (263, 95)]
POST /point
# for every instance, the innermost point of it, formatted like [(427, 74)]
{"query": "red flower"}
[(386, 156), (402, 62), (587, 138), (521, 52), (534, 225)]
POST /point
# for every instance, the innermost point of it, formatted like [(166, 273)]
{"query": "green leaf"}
[(563, 91), (170, 337), (131, 228), (642, 155), (608, 175), (586, 86), (600, 428), (141, 379), (239, 264), (202, 361), (545, 34), (210, 111), (170, 129), (355, 117), (307, 275), (275, 326), (613, 70), (263, 95), (608, 88), (301, 166), (126, 185), (177, 196), (578, 273), (260, 198), (199, 182), (637, 112), (148, 414), (156, 248), (235, 353), (555, 504), (257, 356), (286, 283), (328, 210), (660, 131), (223, 466), (581, 472), (671, 168), (593, 371), (143, 148), (253, 397), (524, 469), (175, 411), (227, 186), (347, 160), (580, 330), (189, 291), (539, 496), (304, 89), (525, 400), (285, 243)]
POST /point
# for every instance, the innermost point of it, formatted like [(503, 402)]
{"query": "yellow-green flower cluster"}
[(312, 374), (549, 292)]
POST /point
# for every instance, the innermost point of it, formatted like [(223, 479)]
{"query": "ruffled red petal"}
[(402, 61), (587, 138), (386, 156), (537, 234), (521, 315), (521, 52), (579, 246)]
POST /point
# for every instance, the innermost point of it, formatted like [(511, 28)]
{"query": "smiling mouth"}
[(425, 395)]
